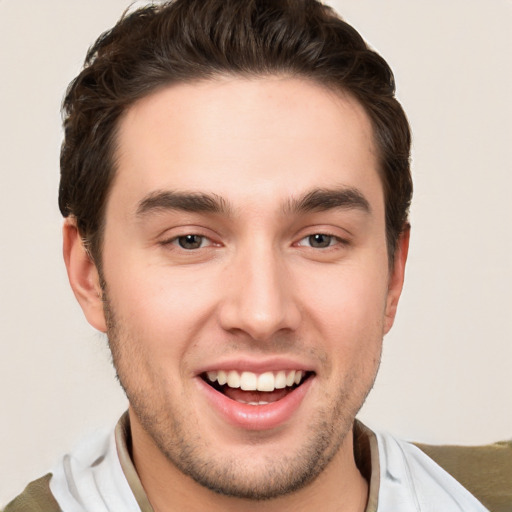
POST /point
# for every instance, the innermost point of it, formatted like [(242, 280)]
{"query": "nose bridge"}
[(259, 296)]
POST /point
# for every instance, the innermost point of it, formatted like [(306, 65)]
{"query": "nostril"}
[(259, 306)]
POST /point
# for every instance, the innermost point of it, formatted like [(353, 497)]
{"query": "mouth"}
[(256, 389)]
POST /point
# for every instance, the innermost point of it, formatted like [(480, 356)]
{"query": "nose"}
[(258, 295)]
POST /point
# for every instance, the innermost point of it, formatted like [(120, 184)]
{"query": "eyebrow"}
[(318, 200), (183, 201), (314, 200)]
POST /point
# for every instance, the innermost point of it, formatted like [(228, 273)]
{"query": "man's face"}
[(245, 240)]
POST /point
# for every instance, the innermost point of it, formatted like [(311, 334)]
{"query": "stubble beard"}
[(279, 474)]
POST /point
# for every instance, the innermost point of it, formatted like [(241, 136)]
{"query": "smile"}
[(256, 400)]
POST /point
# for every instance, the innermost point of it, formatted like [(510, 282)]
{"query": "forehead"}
[(265, 138)]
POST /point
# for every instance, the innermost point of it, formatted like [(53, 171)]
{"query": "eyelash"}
[(333, 241), (204, 242), (176, 241)]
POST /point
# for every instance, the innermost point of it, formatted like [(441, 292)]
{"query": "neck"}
[(340, 487)]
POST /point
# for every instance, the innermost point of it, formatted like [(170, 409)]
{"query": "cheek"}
[(346, 310), (349, 299), (159, 306)]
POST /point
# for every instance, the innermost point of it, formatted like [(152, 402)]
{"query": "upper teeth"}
[(249, 381)]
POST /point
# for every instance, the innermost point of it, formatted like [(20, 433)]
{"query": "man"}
[(235, 181)]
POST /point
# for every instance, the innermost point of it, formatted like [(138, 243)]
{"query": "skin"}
[(255, 289)]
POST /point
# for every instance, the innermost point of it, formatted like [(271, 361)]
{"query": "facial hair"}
[(169, 426)]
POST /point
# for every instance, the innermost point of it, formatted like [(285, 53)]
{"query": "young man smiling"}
[(235, 182)]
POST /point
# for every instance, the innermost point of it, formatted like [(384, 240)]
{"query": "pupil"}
[(190, 241), (320, 240)]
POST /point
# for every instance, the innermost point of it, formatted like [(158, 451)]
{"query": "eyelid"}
[(337, 240), (174, 240), (338, 232), (205, 241), (172, 235)]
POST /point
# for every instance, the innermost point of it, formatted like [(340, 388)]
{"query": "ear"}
[(83, 276), (396, 278)]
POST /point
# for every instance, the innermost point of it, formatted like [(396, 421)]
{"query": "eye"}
[(319, 241), (191, 242)]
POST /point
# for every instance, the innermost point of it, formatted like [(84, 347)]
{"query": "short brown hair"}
[(187, 40)]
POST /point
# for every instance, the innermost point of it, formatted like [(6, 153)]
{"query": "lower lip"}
[(256, 417)]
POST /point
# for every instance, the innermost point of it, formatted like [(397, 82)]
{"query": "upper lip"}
[(274, 364)]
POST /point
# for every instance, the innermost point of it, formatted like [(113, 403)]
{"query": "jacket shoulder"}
[(485, 471), (37, 497)]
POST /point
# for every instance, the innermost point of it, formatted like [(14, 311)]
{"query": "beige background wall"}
[(446, 372)]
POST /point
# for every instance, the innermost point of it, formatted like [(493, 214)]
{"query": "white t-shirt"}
[(99, 476)]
